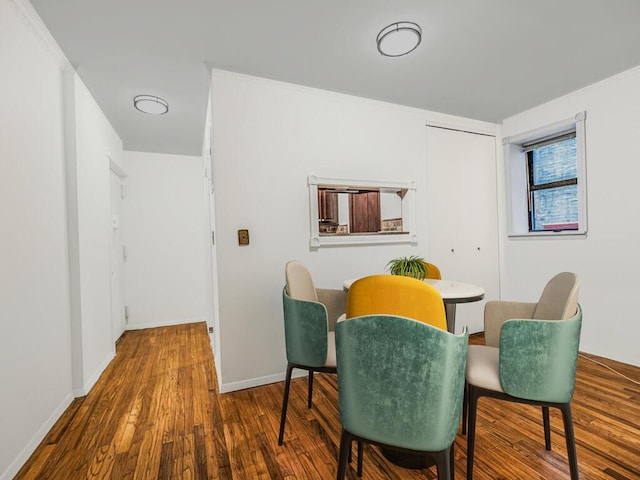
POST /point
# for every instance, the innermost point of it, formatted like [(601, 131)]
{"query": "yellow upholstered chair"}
[(433, 272), (396, 295)]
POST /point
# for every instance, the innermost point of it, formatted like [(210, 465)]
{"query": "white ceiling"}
[(485, 59)]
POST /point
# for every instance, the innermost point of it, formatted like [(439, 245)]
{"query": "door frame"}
[(118, 319)]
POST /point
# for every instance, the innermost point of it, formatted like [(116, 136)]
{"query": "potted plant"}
[(412, 266)]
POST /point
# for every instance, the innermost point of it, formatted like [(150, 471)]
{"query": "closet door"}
[(463, 214)]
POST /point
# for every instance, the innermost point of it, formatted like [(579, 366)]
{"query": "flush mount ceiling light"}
[(150, 104), (399, 39)]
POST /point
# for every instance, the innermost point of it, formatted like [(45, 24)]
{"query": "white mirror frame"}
[(408, 213)]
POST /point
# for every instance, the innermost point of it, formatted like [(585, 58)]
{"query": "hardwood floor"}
[(155, 413)]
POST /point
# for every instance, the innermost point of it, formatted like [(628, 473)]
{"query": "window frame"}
[(518, 177)]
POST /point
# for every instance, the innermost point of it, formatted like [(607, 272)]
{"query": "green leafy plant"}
[(412, 266)]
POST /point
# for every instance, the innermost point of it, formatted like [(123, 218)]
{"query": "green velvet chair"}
[(310, 315), (558, 301), (400, 384), (535, 364)]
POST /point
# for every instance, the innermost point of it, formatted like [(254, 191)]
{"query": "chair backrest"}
[(538, 358), (305, 331), (433, 271), (305, 319), (559, 299), (299, 282), (400, 381), (396, 295)]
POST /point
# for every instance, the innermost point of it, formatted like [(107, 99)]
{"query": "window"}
[(546, 180), (553, 184)]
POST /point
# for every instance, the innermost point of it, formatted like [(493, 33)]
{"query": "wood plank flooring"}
[(155, 414)]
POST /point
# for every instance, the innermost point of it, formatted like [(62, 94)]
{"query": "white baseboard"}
[(88, 385), (30, 447), (258, 381), (167, 323), (217, 361)]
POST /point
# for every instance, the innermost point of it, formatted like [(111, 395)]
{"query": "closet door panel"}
[(462, 214)]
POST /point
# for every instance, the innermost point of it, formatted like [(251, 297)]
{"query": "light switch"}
[(243, 237)]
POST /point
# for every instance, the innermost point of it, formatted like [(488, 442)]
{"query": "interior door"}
[(117, 259), (463, 214)]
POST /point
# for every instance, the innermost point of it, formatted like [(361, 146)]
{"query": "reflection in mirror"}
[(358, 211), (345, 211)]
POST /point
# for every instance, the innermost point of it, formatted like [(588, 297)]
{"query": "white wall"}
[(210, 258), (608, 259), (91, 140), (35, 360), (163, 232), (55, 298), (267, 138)]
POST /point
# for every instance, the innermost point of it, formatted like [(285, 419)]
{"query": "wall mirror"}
[(347, 211)]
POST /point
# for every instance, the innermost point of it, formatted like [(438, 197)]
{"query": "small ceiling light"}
[(150, 104), (399, 39)]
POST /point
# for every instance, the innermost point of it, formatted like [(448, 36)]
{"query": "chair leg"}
[(285, 401), (465, 407), (345, 447), (571, 440), (360, 457), (452, 460), (471, 434), (310, 396), (443, 464), (547, 428)]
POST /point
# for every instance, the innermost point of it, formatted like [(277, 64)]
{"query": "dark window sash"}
[(560, 183)]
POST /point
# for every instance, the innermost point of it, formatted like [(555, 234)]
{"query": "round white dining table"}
[(452, 293)]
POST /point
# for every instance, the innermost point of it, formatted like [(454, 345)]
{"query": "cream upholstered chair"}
[(310, 316), (529, 356), (559, 301)]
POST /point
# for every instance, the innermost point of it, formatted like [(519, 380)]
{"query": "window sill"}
[(549, 234)]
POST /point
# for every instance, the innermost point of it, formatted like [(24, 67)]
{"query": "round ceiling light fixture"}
[(399, 39), (150, 104)]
